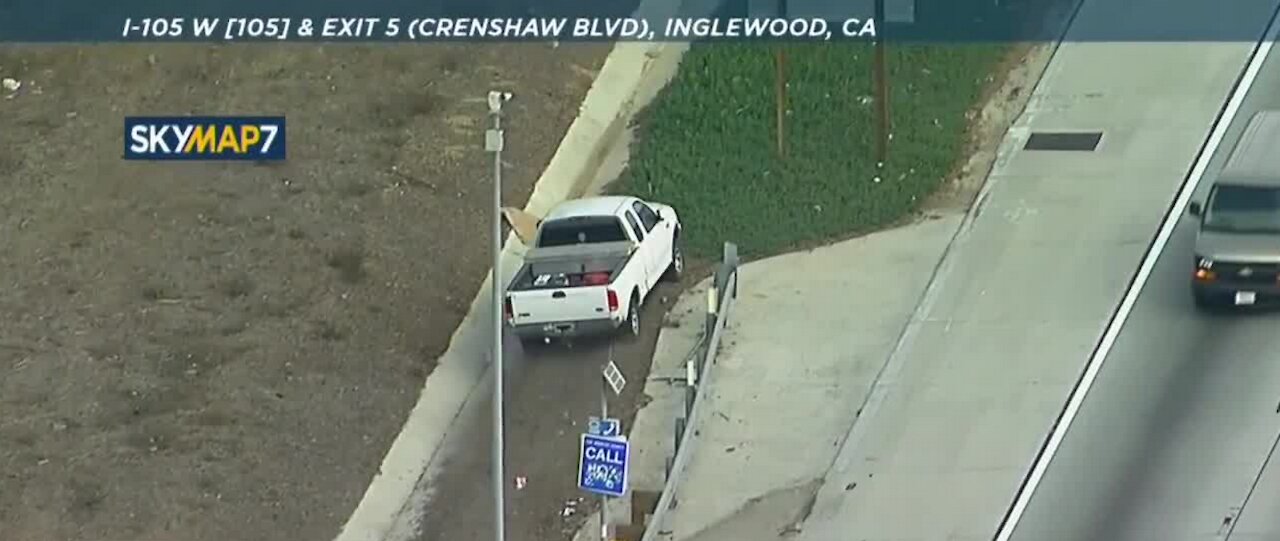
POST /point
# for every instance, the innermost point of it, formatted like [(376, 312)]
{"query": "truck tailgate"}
[(541, 306)]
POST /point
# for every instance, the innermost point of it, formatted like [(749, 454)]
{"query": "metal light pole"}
[(493, 142), (604, 414)]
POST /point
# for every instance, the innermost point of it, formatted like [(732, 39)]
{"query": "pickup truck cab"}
[(590, 266), (1237, 250)]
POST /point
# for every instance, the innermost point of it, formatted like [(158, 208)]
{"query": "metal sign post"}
[(604, 414), (610, 377), (493, 142)]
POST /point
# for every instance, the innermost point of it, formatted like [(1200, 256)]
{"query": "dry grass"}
[(187, 345)]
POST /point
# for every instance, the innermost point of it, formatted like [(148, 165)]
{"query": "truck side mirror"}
[(1195, 209)]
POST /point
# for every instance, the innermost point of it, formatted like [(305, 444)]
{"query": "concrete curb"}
[(603, 117)]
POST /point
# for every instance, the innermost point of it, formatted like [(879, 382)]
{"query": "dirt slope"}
[(214, 351)]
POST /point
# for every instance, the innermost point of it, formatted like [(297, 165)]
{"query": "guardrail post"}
[(721, 280), (731, 261), (713, 305), (731, 254)]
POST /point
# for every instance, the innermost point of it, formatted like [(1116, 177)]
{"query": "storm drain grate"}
[(1074, 141)]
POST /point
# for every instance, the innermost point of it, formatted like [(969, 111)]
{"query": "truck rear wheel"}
[(633, 317)]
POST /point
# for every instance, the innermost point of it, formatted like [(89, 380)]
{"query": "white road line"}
[(1140, 279)]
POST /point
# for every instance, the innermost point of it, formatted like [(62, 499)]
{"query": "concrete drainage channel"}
[(391, 505)]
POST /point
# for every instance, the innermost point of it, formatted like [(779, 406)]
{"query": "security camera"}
[(496, 99)]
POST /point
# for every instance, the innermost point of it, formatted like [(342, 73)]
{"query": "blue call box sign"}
[(602, 465), (208, 138)]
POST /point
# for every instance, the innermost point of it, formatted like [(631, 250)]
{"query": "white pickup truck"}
[(590, 266)]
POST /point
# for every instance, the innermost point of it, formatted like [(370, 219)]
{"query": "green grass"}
[(707, 144)]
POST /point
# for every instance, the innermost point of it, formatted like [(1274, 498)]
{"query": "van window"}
[(584, 230), (1243, 209)]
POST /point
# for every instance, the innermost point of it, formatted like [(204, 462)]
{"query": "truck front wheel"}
[(676, 269)]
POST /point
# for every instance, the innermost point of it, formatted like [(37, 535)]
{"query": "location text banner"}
[(607, 20)]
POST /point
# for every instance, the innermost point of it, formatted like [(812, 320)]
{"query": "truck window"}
[(584, 230), (647, 216), (1243, 209), (635, 227)]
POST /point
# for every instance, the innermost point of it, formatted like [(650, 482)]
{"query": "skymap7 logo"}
[(204, 138)]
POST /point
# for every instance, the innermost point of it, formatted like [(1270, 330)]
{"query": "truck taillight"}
[(506, 309), (613, 301)]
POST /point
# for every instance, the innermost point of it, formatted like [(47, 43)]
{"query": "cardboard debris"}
[(523, 224)]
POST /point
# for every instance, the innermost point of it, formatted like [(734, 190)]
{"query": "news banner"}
[(499, 28)]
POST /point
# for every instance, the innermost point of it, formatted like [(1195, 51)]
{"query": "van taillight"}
[(613, 301), (506, 308)]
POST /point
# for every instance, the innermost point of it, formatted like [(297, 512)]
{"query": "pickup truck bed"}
[(566, 290), (568, 266)]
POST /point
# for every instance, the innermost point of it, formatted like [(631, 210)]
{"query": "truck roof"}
[(1254, 160), (608, 205)]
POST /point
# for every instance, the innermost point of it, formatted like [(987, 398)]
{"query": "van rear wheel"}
[(1203, 301)]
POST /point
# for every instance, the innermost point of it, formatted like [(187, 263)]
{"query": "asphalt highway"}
[(1174, 440)]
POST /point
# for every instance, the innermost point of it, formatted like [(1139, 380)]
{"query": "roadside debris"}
[(570, 507), (11, 86)]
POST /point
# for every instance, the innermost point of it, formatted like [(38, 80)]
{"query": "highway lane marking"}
[(1261, 50)]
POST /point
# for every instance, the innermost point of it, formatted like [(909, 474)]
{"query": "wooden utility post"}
[(780, 92), (881, 80), (780, 88)]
